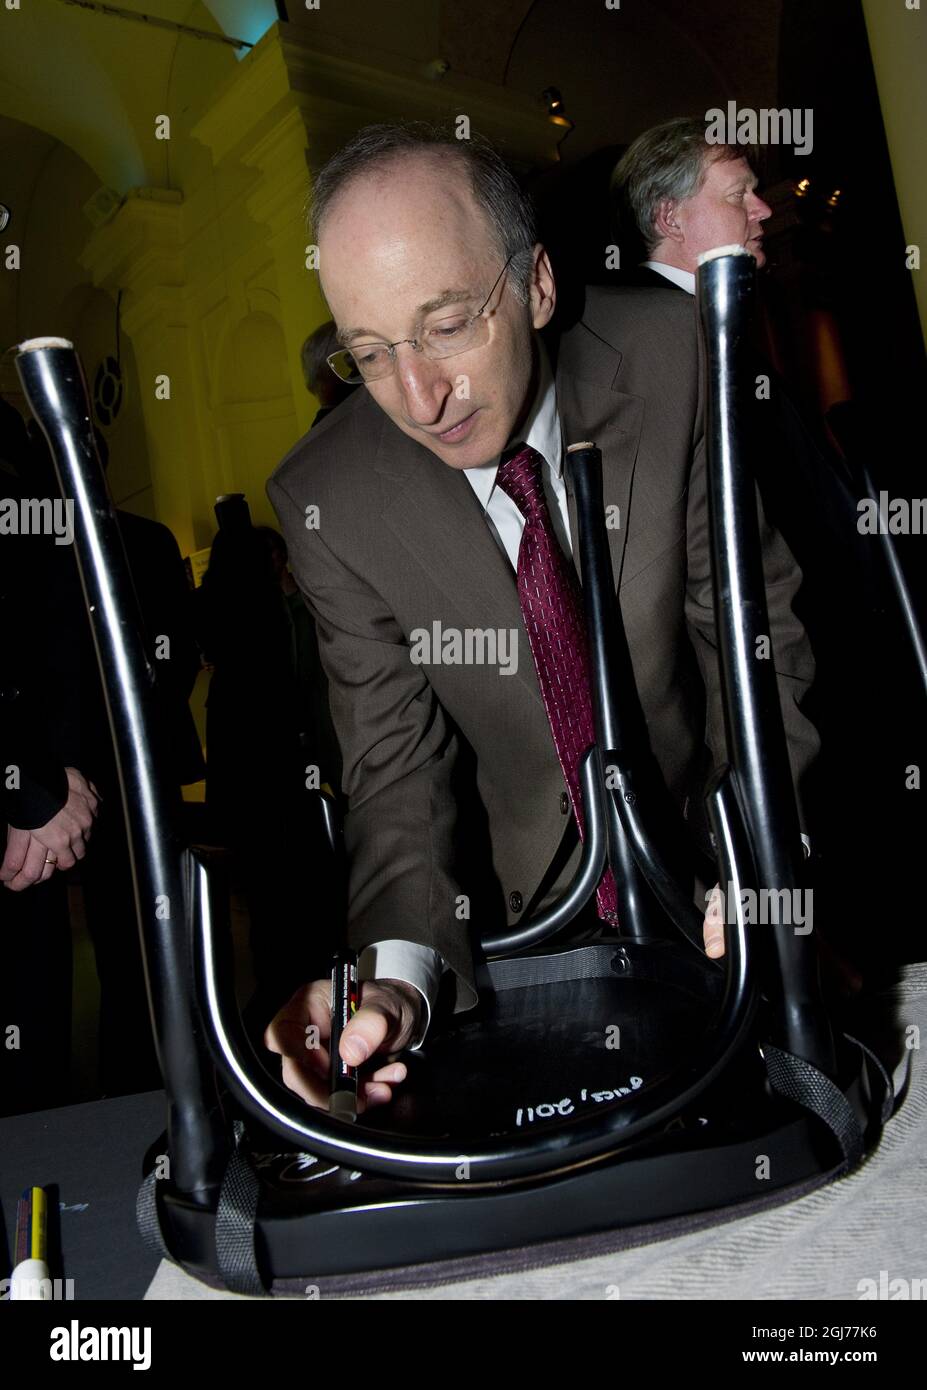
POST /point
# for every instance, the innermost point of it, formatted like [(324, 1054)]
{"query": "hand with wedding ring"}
[(32, 856)]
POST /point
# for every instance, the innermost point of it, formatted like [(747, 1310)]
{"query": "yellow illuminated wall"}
[(898, 42)]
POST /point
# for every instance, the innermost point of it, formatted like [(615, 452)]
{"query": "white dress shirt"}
[(685, 279), (540, 431), (419, 965)]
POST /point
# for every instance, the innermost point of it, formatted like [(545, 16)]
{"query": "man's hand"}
[(713, 926), (32, 856), (388, 1019)]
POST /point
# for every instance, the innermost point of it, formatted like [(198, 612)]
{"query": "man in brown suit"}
[(406, 552)]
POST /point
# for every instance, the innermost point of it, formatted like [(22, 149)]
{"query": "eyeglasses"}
[(443, 338)]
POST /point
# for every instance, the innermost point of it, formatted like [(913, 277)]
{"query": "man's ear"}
[(542, 289), (665, 222)]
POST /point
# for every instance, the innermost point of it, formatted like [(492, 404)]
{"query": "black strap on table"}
[(890, 1100), (236, 1223), (808, 1087), (146, 1217)]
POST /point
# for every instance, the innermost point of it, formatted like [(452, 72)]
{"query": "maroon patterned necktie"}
[(552, 609)]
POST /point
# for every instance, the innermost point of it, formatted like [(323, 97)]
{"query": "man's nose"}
[(759, 211), (424, 386)]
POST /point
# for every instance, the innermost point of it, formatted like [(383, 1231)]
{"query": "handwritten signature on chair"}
[(547, 1110)]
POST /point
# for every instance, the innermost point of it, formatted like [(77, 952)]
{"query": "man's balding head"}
[(378, 148), (414, 229)]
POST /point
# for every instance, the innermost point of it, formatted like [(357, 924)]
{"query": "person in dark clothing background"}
[(37, 783), (59, 667), (265, 763), (127, 1055), (321, 381), (316, 731), (47, 803)]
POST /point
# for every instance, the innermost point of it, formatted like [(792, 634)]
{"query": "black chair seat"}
[(537, 1048)]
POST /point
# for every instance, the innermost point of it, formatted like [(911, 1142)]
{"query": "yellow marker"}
[(29, 1281)]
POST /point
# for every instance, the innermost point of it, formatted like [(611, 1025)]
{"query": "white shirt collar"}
[(541, 430), (683, 278)]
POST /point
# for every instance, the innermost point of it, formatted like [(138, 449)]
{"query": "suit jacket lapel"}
[(592, 408), (436, 516)]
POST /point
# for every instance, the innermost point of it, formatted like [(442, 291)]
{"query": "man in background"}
[(321, 381), (679, 196)]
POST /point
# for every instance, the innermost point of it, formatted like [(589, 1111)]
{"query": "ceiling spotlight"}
[(555, 112)]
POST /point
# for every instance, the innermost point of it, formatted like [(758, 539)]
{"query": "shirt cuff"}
[(417, 965)]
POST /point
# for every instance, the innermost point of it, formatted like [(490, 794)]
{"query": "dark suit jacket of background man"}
[(806, 491), (452, 778)]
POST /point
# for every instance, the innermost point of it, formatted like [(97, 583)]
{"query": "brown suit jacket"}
[(453, 783)]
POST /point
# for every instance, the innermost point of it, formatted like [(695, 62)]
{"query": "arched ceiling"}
[(529, 43), (619, 69), (96, 82)]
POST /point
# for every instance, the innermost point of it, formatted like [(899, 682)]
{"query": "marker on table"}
[(29, 1280), (343, 1101)]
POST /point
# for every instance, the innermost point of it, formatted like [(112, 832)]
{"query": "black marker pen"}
[(343, 1101)]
